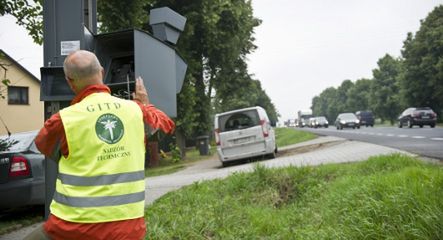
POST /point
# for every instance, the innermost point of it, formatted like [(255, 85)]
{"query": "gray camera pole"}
[(67, 24)]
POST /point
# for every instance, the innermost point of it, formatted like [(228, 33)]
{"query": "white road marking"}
[(380, 134), (402, 136), (418, 137), (437, 139), (390, 135)]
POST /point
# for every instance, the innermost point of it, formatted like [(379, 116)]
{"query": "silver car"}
[(22, 177), (244, 133)]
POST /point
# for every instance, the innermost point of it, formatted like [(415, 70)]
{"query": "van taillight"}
[(264, 129), (19, 167), (217, 136)]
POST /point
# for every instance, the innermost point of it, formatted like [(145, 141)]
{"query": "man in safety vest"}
[(100, 188)]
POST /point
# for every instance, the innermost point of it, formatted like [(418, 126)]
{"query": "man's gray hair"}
[(78, 70)]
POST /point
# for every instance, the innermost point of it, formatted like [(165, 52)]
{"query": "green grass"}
[(289, 136), (168, 166), (388, 197)]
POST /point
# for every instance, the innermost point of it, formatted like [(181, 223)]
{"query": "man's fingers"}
[(139, 84), (140, 91)]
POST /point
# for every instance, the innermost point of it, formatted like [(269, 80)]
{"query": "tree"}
[(422, 83), (28, 14), (326, 104), (115, 15), (342, 96), (358, 95), (385, 99), (249, 94), (217, 37), (237, 89)]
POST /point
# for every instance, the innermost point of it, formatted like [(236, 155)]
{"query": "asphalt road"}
[(424, 141)]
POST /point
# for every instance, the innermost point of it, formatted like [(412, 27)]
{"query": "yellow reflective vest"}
[(102, 179)]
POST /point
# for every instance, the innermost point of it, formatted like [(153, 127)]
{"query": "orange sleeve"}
[(52, 137), (157, 119)]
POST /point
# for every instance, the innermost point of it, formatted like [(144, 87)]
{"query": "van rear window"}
[(365, 114), (239, 120)]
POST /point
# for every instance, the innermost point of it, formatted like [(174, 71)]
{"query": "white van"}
[(244, 133)]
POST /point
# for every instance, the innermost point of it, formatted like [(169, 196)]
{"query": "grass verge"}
[(168, 166), (386, 197), (289, 136), (284, 137)]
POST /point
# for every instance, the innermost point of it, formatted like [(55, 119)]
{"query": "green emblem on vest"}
[(109, 128)]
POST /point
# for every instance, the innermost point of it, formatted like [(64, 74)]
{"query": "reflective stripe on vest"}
[(102, 179), (99, 201)]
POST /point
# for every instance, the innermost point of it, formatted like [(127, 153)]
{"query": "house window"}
[(18, 95)]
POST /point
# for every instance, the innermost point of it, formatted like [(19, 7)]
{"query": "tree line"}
[(415, 79), (217, 38)]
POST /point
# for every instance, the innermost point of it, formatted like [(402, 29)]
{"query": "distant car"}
[(366, 118), (304, 122), (244, 133), (22, 178), (321, 122), (311, 122), (347, 120), (417, 116)]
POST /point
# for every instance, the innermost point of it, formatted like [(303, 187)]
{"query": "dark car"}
[(417, 116), (347, 120), (366, 118), (22, 178)]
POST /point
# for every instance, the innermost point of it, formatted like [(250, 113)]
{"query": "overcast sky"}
[(303, 46)]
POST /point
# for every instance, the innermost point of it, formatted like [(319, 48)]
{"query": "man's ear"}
[(71, 84)]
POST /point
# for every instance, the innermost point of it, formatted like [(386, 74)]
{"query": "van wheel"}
[(272, 155), (432, 125), (409, 124), (400, 125)]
